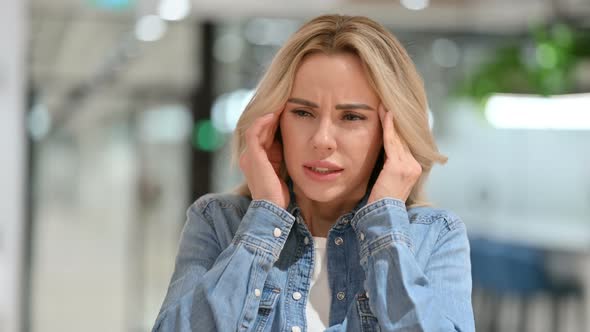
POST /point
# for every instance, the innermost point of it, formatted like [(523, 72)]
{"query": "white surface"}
[(12, 165), (515, 111), (318, 304), (554, 234), (523, 186), (530, 186)]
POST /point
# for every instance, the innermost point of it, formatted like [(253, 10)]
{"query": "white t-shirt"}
[(317, 309)]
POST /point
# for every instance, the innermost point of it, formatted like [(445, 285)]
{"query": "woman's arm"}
[(215, 288), (402, 295)]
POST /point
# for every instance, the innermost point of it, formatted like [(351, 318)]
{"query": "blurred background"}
[(117, 114)]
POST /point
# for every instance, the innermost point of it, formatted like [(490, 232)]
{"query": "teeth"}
[(321, 170)]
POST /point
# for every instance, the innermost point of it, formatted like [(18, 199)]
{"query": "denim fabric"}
[(390, 269)]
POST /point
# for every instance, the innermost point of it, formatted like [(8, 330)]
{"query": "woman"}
[(331, 229)]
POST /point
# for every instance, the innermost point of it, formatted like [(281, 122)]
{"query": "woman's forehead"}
[(337, 76), (319, 65)]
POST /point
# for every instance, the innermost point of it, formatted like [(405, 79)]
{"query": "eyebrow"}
[(311, 104)]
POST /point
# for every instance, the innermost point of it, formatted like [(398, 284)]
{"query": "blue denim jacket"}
[(389, 268)]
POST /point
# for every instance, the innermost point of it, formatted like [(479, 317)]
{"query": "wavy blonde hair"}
[(390, 72)]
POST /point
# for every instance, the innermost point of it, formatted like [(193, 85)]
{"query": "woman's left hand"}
[(400, 170)]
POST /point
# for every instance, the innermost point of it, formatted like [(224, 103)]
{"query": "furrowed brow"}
[(303, 102), (311, 104), (354, 107)]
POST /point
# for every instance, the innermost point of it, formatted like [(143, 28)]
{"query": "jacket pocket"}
[(268, 300), (369, 322)]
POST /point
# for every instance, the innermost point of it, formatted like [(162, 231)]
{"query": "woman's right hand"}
[(261, 161)]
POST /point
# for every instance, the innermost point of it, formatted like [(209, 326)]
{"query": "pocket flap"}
[(270, 294)]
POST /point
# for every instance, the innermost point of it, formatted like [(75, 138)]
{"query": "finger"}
[(394, 145), (271, 130), (268, 126), (270, 139), (275, 126), (255, 133), (389, 143), (258, 125)]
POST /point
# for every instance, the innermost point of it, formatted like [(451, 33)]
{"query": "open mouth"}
[(317, 173), (321, 170)]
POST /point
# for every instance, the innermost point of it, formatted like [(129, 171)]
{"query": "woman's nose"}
[(323, 139)]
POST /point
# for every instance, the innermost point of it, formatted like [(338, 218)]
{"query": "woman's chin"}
[(342, 190), (321, 197), (326, 195)]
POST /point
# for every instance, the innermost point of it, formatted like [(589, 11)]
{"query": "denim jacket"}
[(390, 269)]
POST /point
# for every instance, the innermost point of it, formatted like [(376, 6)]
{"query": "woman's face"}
[(330, 128)]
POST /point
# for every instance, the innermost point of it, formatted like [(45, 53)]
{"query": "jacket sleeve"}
[(215, 288), (403, 296)]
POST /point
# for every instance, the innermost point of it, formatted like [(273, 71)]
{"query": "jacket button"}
[(277, 232), (362, 236), (296, 296), (295, 329), (338, 241), (257, 292), (340, 296), (306, 240)]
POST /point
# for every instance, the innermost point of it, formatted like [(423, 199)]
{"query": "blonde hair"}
[(390, 72)]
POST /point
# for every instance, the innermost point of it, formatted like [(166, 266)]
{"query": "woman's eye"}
[(301, 113), (352, 117)]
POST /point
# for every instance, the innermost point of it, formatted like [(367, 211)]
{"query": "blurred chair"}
[(501, 270)]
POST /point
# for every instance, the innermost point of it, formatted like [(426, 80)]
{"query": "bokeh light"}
[(206, 137)]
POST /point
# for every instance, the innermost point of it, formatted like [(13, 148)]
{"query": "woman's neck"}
[(321, 216)]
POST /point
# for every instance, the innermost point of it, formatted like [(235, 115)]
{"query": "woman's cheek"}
[(287, 132)]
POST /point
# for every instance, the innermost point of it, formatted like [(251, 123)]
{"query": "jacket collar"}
[(294, 209)]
